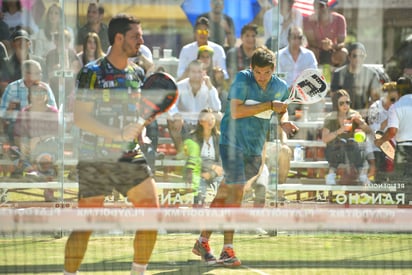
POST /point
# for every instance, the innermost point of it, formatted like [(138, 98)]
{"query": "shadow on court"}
[(196, 267)]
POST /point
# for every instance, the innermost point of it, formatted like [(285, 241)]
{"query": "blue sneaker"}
[(228, 258), (202, 249)]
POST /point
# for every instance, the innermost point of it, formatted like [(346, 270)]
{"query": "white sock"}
[(228, 246), (70, 273), (203, 239), (138, 269)]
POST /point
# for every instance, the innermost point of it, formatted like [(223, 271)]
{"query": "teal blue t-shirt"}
[(249, 134)]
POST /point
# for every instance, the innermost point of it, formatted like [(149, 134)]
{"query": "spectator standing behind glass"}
[(189, 52), (326, 34), (338, 132), (362, 83), (17, 17), (399, 128), (21, 46), (378, 121), (239, 58), (222, 28), (288, 17), (95, 14), (62, 58), (92, 49), (203, 166), (195, 93), (15, 96), (35, 124), (44, 40)]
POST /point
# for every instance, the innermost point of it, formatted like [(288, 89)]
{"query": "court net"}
[(267, 241)]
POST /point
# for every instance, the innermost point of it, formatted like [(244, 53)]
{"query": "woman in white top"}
[(44, 40), (17, 17)]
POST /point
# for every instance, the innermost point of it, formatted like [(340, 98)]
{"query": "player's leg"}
[(76, 244), (144, 195), (238, 169)]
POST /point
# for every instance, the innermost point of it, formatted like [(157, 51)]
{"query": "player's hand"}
[(131, 131), (207, 81), (279, 107), (289, 127)]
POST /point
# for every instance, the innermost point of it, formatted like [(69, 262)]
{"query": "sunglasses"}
[(297, 37), (358, 55), (341, 103), (204, 32), (38, 92)]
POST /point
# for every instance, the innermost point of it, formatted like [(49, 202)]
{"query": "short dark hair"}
[(120, 23), (263, 57), (100, 7), (201, 21), (249, 27), (404, 85)]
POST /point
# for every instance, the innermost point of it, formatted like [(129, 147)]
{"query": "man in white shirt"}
[(189, 51), (378, 121), (294, 59), (195, 93), (399, 127)]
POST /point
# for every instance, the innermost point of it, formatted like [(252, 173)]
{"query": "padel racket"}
[(159, 93), (309, 87), (388, 147)]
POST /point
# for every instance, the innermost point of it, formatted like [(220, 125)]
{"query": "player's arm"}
[(287, 126), (388, 135), (241, 110), (84, 119)]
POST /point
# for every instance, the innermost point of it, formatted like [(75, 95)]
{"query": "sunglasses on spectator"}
[(341, 103), (358, 55), (298, 37), (204, 32), (38, 92)]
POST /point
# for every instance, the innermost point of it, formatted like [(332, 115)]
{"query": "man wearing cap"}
[(21, 43), (399, 127), (189, 51), (361, 82), (326, 32)]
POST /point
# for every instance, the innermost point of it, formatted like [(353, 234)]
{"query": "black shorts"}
[(98, 178)]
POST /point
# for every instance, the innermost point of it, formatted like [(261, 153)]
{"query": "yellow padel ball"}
[(359, 136)]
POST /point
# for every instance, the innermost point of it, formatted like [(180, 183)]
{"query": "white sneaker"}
[(363, 178), (261, 231), (330, 179)]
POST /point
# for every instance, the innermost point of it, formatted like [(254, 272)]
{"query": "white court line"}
[(254, 270)]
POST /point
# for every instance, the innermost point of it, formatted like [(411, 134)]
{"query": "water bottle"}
[(298, 153)]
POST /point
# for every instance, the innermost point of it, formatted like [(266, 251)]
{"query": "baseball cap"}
[(205, 48), (20, 34), (323, 2), (355, 46)]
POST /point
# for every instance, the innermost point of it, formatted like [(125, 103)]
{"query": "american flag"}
[(306, 6)]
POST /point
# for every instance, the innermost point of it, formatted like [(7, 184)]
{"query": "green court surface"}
[(286, 253)]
